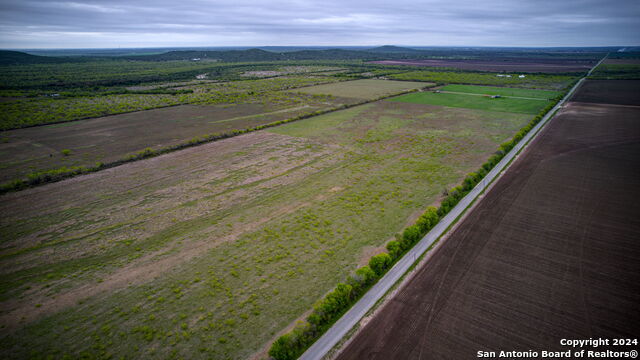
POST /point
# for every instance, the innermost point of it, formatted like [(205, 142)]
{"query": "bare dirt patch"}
[(622, 61), (620, 92)]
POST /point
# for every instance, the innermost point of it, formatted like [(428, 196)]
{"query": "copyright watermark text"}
[(578, 348)]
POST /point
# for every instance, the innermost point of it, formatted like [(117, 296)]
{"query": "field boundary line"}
[(352, 317)]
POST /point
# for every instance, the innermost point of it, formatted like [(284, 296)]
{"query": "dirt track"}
[(551, 252)]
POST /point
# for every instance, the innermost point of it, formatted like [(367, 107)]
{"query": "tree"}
[(380, 263), (428, 219), (394, 248)]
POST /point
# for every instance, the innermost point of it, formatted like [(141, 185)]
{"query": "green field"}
[(211, 251), (532, 81), (475, 101), (502, 91), (363, 89)]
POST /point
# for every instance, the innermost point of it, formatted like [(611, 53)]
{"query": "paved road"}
[(320, 348), (598, 64)]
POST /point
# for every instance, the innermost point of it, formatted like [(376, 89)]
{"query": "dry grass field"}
[(364, 89)]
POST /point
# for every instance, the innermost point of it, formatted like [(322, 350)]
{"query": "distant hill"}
[(393, 50), (8, 57), (229, 55), (261, 55)]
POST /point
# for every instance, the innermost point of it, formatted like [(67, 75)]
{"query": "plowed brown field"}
[(621, 92), (551, 252), (524, 65)]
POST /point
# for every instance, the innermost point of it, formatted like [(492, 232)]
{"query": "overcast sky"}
[(157, 23)]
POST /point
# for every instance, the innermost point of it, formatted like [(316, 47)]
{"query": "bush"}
[(395, 249), (428, 220), (363, 278), (290, 346), (66, 152), (380, 263)]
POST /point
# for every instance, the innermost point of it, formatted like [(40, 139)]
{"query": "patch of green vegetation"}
[(502, 91), (533, 81), (475, 101)]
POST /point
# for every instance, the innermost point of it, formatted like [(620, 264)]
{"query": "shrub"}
[(363, 278), (428, 220), (333, 304), (66, 152), (380, 263), (290, 346), (395, 249)]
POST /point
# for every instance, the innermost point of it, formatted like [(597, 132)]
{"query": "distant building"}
[(195, 59), (521, 76), (496, 96)]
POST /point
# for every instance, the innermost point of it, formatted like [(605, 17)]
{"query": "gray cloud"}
[(144, 23)]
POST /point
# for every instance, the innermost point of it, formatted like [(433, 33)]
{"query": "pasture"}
[(502, 91), (475, 101), (210, 251), (363, 89), (531, 81)]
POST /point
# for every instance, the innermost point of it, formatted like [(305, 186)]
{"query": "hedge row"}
[(49, 176), (328, 310)]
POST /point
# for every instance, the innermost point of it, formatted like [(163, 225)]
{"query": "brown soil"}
[(521, 65), (621, 92), (551, 252), (623, 61)]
